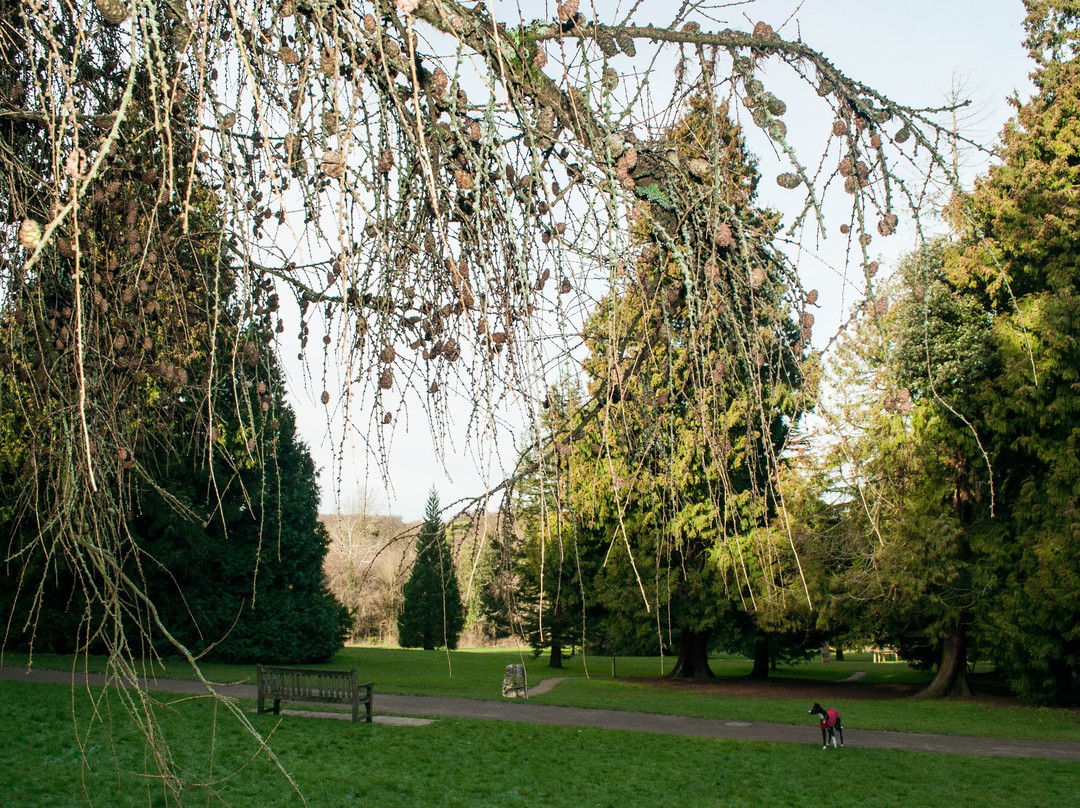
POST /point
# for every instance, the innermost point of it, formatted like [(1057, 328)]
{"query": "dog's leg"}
[(840, 731), (824, 738)]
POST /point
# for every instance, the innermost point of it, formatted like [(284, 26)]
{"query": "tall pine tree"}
[(432, 614)]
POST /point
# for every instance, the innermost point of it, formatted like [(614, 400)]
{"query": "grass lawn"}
[(471, 672), (56, 754), (900, 715), (478, 674)]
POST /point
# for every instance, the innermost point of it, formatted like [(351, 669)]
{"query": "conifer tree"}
[(432, 614), (217, 499), (696, 375), (906, 556), (246, 584), (1022, 222)]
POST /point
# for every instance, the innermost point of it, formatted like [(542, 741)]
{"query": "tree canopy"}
[(441, 190), (913, 501), (1022, 265), (960, 454)]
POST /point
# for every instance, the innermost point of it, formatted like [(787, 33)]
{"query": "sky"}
[(918, 52)]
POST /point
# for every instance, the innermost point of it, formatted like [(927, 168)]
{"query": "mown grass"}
[(900, 715), (470, 673), (478, 674), (56, 754)]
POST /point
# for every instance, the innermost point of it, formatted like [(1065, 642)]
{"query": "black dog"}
[(830, 725)]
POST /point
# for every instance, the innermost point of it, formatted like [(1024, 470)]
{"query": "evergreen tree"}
[(696, 368), (432, 614), (970, 488), (916, 514), (1022, 221), (245, 584), (220, 522), (185, 489)]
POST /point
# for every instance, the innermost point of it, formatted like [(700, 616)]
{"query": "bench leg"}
[(277, 706)]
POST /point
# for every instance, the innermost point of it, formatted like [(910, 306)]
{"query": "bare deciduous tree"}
[(366, 564)]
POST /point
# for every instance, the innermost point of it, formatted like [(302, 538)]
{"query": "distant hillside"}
[(369, 559)]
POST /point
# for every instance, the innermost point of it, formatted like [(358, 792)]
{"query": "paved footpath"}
[(388, 704)]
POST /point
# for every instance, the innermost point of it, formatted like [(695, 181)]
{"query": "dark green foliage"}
[(203, 526), (942, 345), (972, 476), (661, 483), (554, 564), (1028, 270), (902, 555), (237, 578), (551, 575), (432, 614), (247, 584), (172, 502)]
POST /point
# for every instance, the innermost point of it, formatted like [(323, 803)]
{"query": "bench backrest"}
[(307, 684)]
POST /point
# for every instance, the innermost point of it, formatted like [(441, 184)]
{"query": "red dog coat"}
[(831, 722)]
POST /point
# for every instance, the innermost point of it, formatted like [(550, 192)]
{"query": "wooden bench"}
[(885, 655), (314, 686)]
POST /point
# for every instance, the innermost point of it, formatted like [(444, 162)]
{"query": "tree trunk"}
[(693, 657), (951, 680), (556, 638), (839, 655), (556, 654), (761, 656)]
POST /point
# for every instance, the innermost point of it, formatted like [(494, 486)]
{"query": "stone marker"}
[(514, 686)]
